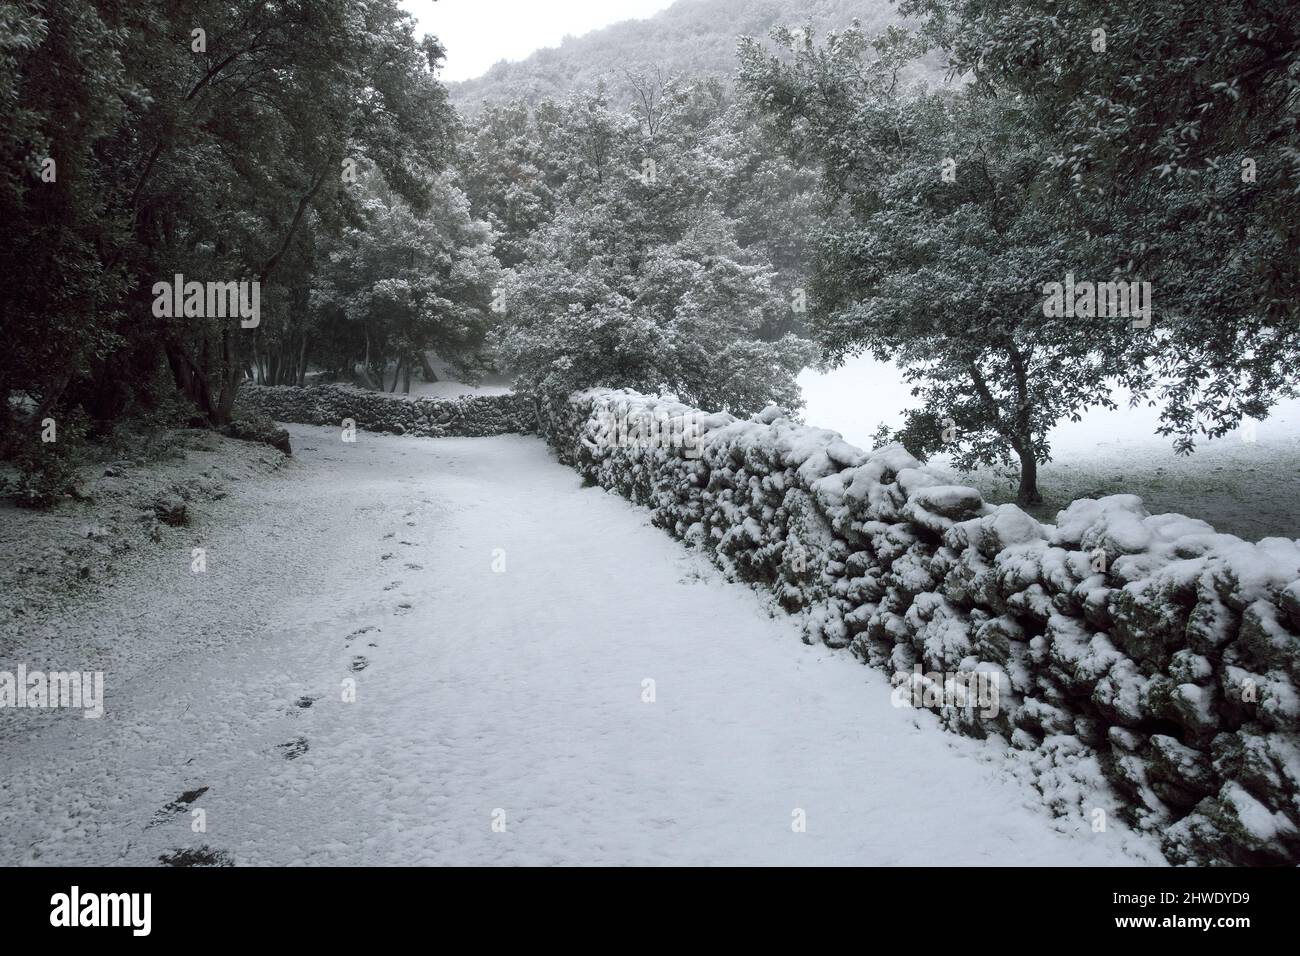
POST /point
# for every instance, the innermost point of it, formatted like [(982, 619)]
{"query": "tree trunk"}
[(229, 390), (365, 368), (1028, 493), (228, 378), (190, 380), (429, 374)]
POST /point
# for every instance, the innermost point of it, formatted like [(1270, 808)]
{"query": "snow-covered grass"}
[(71, 552), (500, 622), (1250, 488)]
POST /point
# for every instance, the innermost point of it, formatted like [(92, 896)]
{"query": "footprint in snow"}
[(293, 749), (415, 567), (393, 585), (360, 632), (304, 702), (359, 663), (197, 856), (178, 805), (402, 608)]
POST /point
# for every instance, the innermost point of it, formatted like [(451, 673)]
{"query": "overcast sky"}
[(477, 33)]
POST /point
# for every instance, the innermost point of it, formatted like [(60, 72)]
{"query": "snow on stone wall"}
[(472, 416), (1165, 653)]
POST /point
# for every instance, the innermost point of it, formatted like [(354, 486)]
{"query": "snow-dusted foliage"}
[(1170, 652), (472, 416)]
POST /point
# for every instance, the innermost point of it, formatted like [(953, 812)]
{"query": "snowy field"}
[(1242, 487), (514, 694)]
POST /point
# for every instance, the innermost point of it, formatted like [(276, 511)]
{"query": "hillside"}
[(695, 37)]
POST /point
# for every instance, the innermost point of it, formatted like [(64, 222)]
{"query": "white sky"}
[(478, 33)]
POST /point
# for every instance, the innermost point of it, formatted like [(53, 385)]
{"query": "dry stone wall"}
[(470, 417)]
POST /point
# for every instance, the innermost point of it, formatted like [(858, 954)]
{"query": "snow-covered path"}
[(487, 695)]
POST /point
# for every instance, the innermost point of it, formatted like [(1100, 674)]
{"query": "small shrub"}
[(48, 470), (150, 431)]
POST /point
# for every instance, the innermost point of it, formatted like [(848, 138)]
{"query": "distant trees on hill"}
[(695, 38)]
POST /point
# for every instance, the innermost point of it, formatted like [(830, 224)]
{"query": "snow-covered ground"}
[(512, 693), (450, 388), (449, 385), (1246, 484)]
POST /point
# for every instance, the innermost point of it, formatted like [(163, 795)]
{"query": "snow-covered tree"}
[(639, 279), (1176, 124), (508, 176), (937, 243), (401, 282)]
